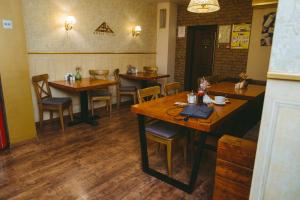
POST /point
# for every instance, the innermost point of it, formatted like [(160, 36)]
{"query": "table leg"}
[(84, 113), (84, 103), (145, 162), (198, 156), (144, 84), (143, 143)]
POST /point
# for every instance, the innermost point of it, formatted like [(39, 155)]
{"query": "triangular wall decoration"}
[(103, 28)]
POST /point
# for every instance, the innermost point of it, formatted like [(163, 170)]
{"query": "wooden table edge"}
[(130, 77), (66, 88), (211, 128)]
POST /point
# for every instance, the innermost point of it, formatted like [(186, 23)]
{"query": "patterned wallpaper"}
[(44, 25), (286, 39)]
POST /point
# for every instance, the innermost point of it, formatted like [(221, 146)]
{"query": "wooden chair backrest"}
[(148, 94), (150, 69), (41, 87), (116, 75), (99, 74), (211, 79), (172, 88)]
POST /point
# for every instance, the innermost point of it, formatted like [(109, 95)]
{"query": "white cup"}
[(220, 99), (191, 98)]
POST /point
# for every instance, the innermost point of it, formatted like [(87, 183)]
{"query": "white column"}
[(166, 39), (277, 165)]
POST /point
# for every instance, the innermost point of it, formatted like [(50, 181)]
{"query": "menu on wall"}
[(240, 36), (224, 34)]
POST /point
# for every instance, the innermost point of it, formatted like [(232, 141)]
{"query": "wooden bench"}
[(234, 168)]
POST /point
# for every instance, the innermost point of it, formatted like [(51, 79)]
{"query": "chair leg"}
[(107, 105), (134, 99), (110, 106), (41, 113), (118, 100), (61, 117), (92, 107), (71, 112), (169, 158), (51, 116), (158, 148)]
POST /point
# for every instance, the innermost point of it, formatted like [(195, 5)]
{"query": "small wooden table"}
[(144, 77), (83, 86), (227, 89), (165, 110)]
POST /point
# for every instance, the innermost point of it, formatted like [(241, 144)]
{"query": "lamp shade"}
[(203, 6), (138, 28), (71, 20)]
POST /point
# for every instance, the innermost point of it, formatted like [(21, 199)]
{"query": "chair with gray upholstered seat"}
[(48, 103), (162, 132)]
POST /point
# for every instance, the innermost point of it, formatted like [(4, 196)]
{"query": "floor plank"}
[(101, 162)]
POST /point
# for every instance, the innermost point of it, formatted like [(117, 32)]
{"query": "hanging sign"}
[(104, 29), (240, 36)]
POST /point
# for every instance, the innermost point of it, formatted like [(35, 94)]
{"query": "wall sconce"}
[(70, 22), (136, 31)]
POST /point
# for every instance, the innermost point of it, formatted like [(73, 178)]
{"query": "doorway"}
[(201, 42)]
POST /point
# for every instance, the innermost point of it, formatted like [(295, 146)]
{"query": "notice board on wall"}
[(240, 36)]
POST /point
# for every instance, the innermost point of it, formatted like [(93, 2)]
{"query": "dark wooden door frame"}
[(189, 50)]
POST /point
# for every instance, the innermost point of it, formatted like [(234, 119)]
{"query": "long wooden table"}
[(144, 77), (83, 86), (227, 89), (165, 110)]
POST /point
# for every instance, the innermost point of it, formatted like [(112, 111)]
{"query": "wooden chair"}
[(162, 132), (211, 79), (151, 70), (124, 90), (48, 103), (100, 94), (172, 88)]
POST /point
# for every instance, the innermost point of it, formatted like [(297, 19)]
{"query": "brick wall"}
[(228, 62)]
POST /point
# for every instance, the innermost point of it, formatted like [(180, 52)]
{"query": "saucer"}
[(220, 104)]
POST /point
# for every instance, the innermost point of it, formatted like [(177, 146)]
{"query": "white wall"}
[(44, 24), (258, 56), (277, 165), (166, 40)]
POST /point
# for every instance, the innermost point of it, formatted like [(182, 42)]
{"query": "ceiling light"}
[(203, 6)]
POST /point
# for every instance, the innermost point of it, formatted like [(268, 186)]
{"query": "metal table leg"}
[(84, 113)]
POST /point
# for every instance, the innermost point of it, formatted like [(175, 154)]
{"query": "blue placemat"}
[(197, 111)]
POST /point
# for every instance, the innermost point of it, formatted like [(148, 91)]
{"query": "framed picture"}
[(240, 36), (162, 18), (224, 34), (268, 29)]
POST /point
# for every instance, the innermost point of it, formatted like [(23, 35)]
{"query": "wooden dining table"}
[(228, 89), (252, 113), (143, 77), (82, 87), (164, 109)]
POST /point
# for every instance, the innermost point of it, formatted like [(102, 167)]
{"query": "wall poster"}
[(268, 29), (224, 34), (240, 36)]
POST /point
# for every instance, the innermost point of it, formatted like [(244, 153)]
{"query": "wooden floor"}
[(101, 162)]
